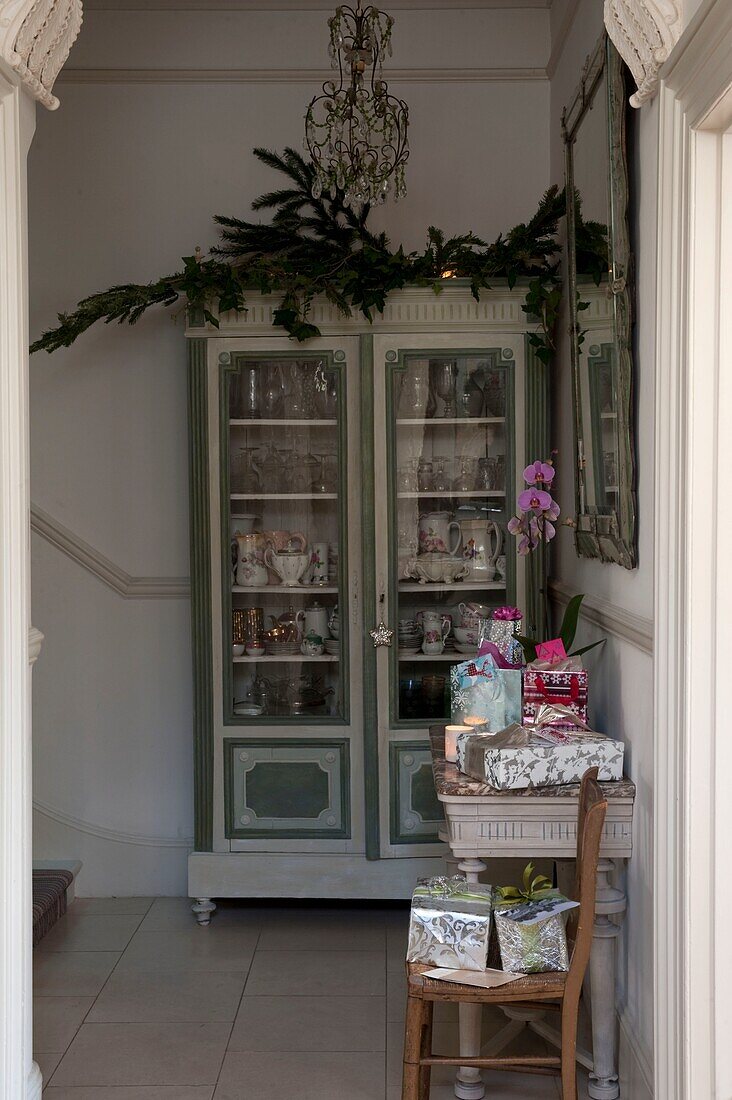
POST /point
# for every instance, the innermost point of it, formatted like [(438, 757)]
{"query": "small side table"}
[(482, 823)]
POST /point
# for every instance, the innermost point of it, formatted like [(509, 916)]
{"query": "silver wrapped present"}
[(450, 923), (519, 757), (530, 924)]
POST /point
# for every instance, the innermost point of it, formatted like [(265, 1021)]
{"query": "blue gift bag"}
[(478, 687)]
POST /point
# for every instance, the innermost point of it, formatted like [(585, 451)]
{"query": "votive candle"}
[(451, 736), (474, 721)]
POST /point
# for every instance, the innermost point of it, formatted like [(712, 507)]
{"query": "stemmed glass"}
[(445, 378)]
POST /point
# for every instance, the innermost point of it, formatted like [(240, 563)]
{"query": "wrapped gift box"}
[(535, 947), (563, 688), (450, 923), (519, 757), (480, 689)]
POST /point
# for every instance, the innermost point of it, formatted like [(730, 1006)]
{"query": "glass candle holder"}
[(451, 736)]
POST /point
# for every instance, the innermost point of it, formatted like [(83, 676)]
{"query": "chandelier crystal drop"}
[(355, 131)]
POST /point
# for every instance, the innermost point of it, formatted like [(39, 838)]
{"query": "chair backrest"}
[(590, 822)]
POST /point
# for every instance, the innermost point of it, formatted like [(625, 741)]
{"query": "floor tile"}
[(396, 946), (396, 995), (135, 1092), (90, 932), (144, 1054), (290, 973), (112, 907), (324, 930), (168, 996), (71, 973), (175, 914), (213, 948), (324, 1076), (309, 1023), (56, 1021), (47, 1064)]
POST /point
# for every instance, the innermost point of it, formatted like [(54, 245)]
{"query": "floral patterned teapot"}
[(434, 533)]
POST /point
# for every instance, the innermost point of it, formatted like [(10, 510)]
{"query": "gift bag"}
[(502, 631), (563, 686), (530, 926), (450, 923), (480, 689)]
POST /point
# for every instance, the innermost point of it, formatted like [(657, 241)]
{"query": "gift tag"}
[(552, 651), (533, 912)]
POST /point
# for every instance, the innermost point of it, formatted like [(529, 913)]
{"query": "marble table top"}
[(451, 783)]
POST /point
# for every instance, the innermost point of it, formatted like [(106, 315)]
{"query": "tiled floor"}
[(133, 1001)]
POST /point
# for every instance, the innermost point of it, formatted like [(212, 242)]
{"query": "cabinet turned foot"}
[(203, 909)]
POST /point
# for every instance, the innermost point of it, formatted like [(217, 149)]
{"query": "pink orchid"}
[(534, 500), (539, 473)]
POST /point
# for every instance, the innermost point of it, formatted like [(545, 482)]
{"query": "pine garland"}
[(318, 246)]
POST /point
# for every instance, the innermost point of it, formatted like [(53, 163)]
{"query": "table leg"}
[(609, 902), (469, 1082)]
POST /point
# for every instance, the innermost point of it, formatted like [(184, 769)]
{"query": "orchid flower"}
[(538, 511), (539, 473)]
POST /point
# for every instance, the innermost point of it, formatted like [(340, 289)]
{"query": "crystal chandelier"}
[(355, 132)]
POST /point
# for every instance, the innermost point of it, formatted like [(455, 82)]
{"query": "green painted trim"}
[(341, 745), (396, 748), (368, 602), (537, 446), (227, 371), (494, 354), (201, 622)]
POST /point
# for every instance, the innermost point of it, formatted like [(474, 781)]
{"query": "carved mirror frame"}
[(610, 537)]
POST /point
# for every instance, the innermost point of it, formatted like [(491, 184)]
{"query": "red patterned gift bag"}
[(567, 689)]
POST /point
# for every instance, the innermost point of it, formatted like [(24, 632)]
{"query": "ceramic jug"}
[(434, 533), (482, 541), (434, 621), (285, 540), (251, 571), (316, 620), (289, 566)]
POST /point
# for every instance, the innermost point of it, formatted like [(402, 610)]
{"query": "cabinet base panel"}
[(260, 875)]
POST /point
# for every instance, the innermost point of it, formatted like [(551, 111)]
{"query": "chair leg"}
[(412, 1048), (425, 1072), (569, 1050)]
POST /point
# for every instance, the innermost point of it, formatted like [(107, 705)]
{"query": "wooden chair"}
[(560, 992)]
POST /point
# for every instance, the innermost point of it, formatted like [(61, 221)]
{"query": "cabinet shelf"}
[(456, 658), (448, 422), (462, 586), (287, 589), (239, 423), (452, 494), (295, 658), (284, 496)]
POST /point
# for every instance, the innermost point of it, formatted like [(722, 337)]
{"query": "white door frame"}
[(35, 38), (693, 583)]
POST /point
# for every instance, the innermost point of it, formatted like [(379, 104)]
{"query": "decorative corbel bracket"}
[(35, 39), (644, 32)]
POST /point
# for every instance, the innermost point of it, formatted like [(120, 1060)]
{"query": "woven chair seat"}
[(533, 986)]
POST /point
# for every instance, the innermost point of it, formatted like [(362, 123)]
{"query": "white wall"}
[(621, 672), (124, 179)]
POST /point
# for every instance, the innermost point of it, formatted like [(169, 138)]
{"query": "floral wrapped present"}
[(519, 756), (480, 689), (450, 923), (563, 684), (530, 925), (502, 631)]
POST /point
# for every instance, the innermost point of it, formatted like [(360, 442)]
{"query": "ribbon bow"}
[(506, 614), (534, 889), (443, 887)]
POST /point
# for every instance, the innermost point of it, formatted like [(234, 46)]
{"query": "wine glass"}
[(445, 377)]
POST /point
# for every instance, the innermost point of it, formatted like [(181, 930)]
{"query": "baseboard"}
[(636, 1064), (261, 875)]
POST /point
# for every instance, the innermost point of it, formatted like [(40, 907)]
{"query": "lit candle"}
[(474, 721), (451, 736)]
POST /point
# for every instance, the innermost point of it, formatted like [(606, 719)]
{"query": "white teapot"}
[(289, 565)]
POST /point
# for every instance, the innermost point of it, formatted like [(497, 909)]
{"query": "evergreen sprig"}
[(315, 246)]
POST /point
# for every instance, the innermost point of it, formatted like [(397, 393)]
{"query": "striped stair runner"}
[(49, 900)]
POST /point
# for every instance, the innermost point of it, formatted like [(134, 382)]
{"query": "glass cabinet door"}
[(450, 459), (284, 501)]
